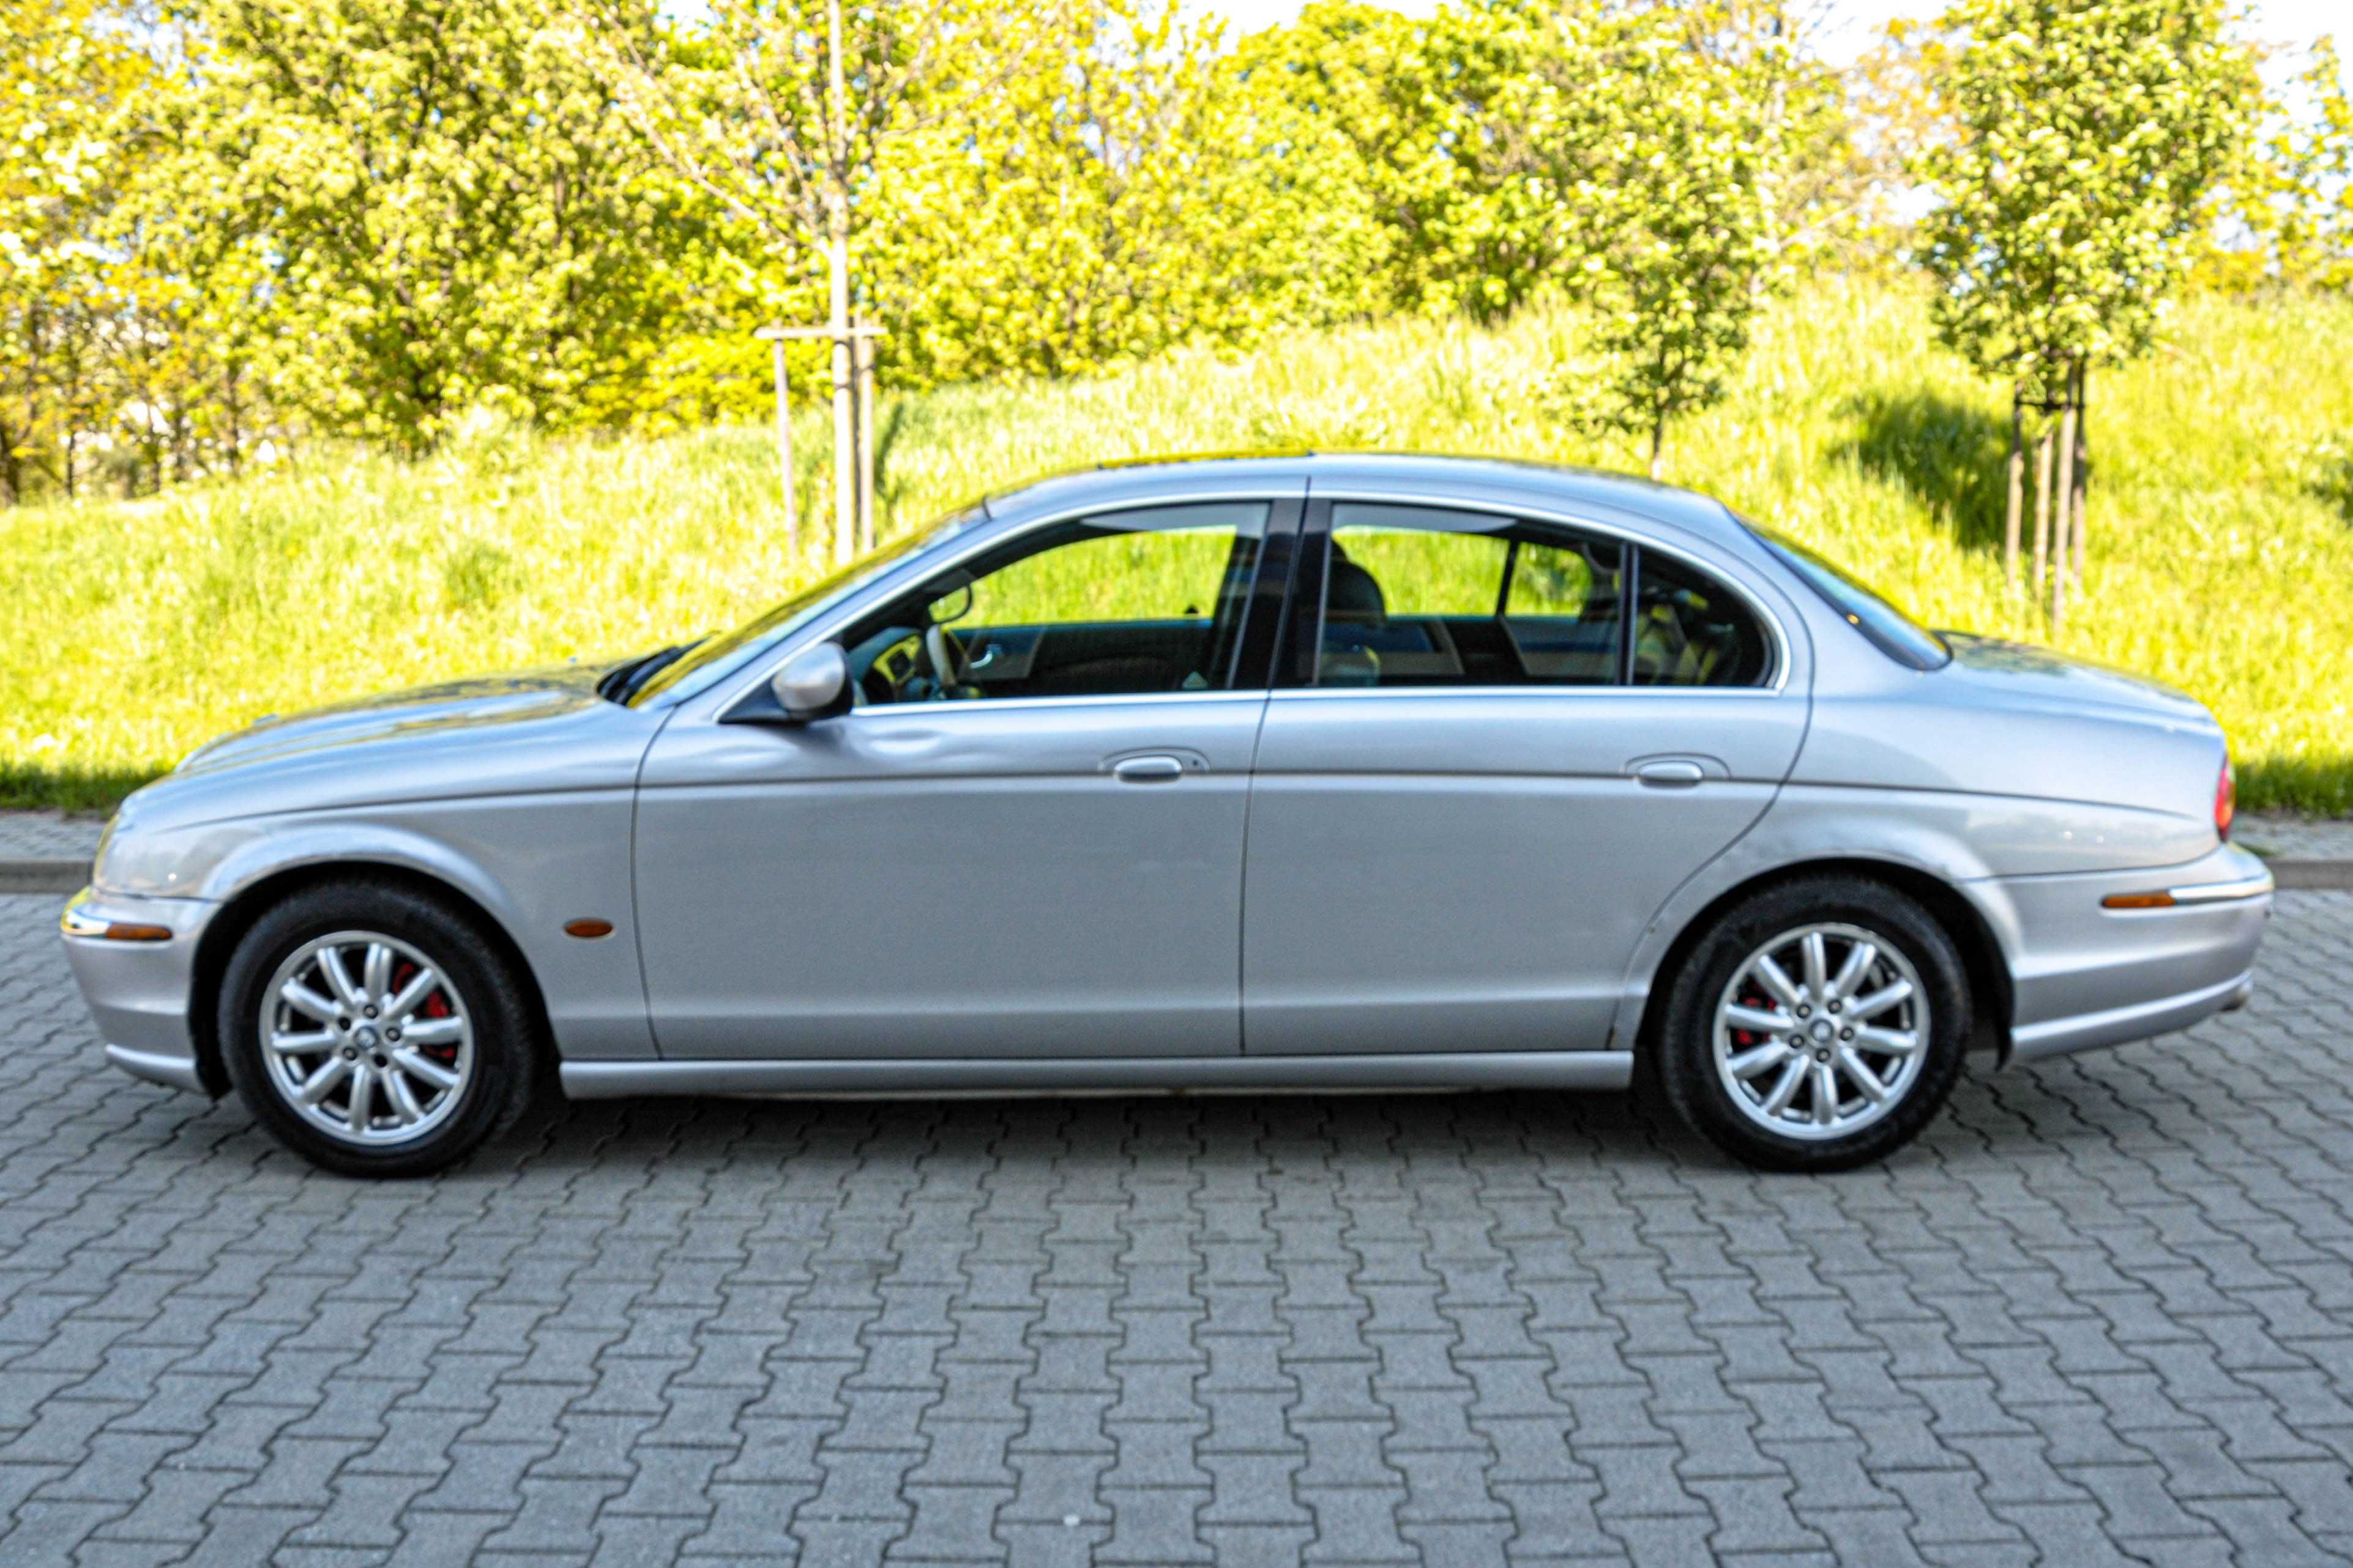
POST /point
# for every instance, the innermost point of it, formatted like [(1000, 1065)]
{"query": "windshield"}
[(780, 621), (1891, 631)]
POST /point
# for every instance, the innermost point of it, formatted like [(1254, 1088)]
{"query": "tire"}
[(464, 1068), (1723, 1080)]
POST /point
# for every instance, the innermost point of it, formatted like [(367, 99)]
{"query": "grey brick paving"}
[(2104, 1313)]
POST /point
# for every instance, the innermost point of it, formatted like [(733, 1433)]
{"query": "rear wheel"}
[(1815, 1027), (376, 1031)]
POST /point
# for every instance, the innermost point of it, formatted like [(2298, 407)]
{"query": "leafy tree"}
[(456, 214), (2292, 192), (1142, 189), (1433, 110), (68, 90), (2088, 136), (1668, 130)]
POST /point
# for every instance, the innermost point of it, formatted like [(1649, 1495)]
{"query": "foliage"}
[(2089, 137), (196, 610), (458, 216), (68, 126), (1672, 127), (2291, 194)]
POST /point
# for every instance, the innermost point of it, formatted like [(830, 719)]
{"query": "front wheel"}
[(375, 1030), (1815, 1027)]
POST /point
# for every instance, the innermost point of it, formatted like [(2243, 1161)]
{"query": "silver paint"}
[(1347, 887)]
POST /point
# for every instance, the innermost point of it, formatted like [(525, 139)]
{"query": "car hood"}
[(533, 731), (524, 698), (2022, 675)]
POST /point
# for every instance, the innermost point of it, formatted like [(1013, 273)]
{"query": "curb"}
[(73, 875), (43, 876)]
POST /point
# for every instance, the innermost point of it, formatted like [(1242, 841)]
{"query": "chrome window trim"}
[(1011, 704), (1531, 690), (1773, 626), (760, 671)]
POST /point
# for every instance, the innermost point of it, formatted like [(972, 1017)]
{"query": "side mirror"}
[(812, 684)]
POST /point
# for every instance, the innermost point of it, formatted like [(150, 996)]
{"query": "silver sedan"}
[(1248, 774)]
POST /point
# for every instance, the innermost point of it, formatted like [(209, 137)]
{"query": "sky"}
[(1850, 23)]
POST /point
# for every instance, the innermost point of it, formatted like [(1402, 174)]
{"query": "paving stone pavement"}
[(2101, 1314)]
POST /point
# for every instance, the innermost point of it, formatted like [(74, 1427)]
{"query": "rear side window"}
[(1887, 628), (1691, 630), (1428, 596), (1425, 597)]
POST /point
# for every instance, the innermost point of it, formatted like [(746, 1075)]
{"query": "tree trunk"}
[(2065, 490), (2082, 497), (2041, 506), (785, 448), (836, 256), (2017, 494), (862, 361), (1658, 440)]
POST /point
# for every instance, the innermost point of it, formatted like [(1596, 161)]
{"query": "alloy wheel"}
[(366, 1038), (1821, 1031)]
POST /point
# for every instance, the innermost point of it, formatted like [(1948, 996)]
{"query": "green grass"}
[(2222, 562)]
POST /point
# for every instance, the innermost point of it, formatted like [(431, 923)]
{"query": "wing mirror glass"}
[(814, 683)]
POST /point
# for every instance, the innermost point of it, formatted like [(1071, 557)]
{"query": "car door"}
[(1505, 741), (1025, 838)]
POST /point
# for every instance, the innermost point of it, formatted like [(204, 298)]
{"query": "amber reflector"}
[(2138, 901), (588, 928)]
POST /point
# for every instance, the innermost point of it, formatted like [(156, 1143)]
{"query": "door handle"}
[(1156, 769), (1671, 773)]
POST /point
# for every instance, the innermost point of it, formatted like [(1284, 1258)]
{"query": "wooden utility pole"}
[(853, 441), (2016, 493), (837, 258), (861, 354), (775, 335), (2041, 506), (2063, 498), (2082, 499)]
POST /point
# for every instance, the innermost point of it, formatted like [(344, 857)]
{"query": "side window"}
[(1124, 602), (1691, 630), (1423, 596)]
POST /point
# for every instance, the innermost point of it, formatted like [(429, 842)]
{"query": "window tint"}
[(1691, 630), (1889, 630), (1122, 604), (1417, 596)]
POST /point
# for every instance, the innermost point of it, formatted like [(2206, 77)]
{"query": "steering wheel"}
[(951, 671)]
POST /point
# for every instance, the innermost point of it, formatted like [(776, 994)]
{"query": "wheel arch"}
[(227, 927), (1982, 954)]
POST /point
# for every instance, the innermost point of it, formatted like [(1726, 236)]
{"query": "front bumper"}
[(2083, 975), (137, 990)]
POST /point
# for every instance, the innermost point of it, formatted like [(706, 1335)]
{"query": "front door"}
[(1513, 739), (1024, 840)]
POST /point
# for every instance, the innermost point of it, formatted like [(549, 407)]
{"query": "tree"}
[(792, 114), (456, 214), (69, 90), (2088, 137), (1145, 188), (1668, 132)]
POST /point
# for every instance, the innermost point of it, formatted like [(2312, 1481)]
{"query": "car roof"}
[(1425, 476)]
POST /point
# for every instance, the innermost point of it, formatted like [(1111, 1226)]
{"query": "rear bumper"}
[(138, 991), (2083, 975)]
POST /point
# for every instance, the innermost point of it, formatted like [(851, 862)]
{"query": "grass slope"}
[(2223, 552)]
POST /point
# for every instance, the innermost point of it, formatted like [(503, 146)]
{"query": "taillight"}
[(2226, 799)]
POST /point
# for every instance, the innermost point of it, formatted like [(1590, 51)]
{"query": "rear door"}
[(1503, 742)]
